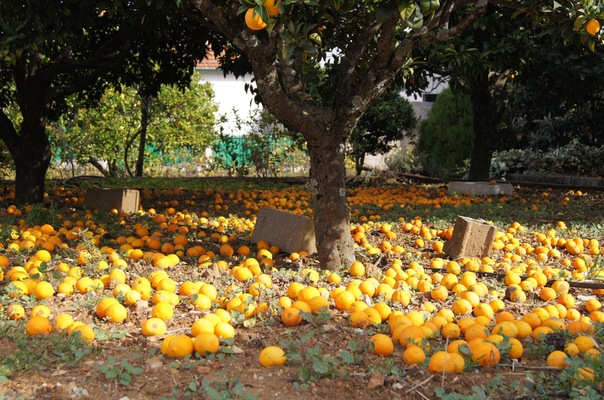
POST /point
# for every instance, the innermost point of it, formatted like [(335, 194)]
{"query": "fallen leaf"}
[(375, 381)]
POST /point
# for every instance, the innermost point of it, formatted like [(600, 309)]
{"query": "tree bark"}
[(359, 160), (30, 150), (140, 160), (335, 247)]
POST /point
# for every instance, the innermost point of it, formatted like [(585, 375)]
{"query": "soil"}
[(235, 371)]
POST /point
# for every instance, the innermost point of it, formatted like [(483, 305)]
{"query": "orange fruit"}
[(116, 313), (441, 361), (272, 6), (476, 331), (413, 355), (486, 354), (205, 343), (359, 319), (179, 346), (224, 330), (85, 331), (153, 326), (357, 269), (17, 289), (593, 26), (103, 305), (584, 343), (43, 290), (253, 20), (318, 304), (61, 322), (38, 325), (40, 310), (583, 376), (579, 327), (272, 356), (202, 325), (557, 359), (15, 311), (515, 349), (291, 316), (450, 331), (162, 310), (411, 335), (461, 347), (382, 344), (505, 328), (344, 300)]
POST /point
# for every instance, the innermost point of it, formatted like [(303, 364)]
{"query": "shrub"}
[(445, 137), (573, 159)]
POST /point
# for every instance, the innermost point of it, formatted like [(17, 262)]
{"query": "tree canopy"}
[(51, 50)]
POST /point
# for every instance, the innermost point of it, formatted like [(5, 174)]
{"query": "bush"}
[(445, 137), (573, 159)]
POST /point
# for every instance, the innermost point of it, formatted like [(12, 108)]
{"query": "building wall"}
[(230, 95)]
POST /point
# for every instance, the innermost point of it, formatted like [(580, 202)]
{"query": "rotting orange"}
[(153, 326), (486, 354), (272, 356), (441, 361)]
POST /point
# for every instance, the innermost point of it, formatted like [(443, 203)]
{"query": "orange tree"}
[(361, 45), (515, 71), (52, 49)]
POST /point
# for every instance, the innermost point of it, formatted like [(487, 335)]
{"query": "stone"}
[(471, 238), (288, 231), (123, 200), (481, 188)]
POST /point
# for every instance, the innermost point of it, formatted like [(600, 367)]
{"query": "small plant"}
[(121, 371), (218, 390), (314, 363), (39, 352)]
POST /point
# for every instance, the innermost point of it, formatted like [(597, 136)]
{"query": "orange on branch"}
[(253, 20)]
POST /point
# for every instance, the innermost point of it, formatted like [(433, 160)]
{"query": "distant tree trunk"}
[(140, 161), (359, 160), (95, 163), (485, 121), (30, 150), (335, 246)]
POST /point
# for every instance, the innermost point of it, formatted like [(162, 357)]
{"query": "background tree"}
[(364, 44), (382, 127), (50, 50), (445, 136), (517, 72), (180, 122)]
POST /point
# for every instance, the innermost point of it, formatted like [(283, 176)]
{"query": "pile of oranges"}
[(448, 315)]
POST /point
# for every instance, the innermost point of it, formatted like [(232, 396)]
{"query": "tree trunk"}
[(140, 160), (30, 151), (335, 246), (359, 160), (485, 121), (31, 163)]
